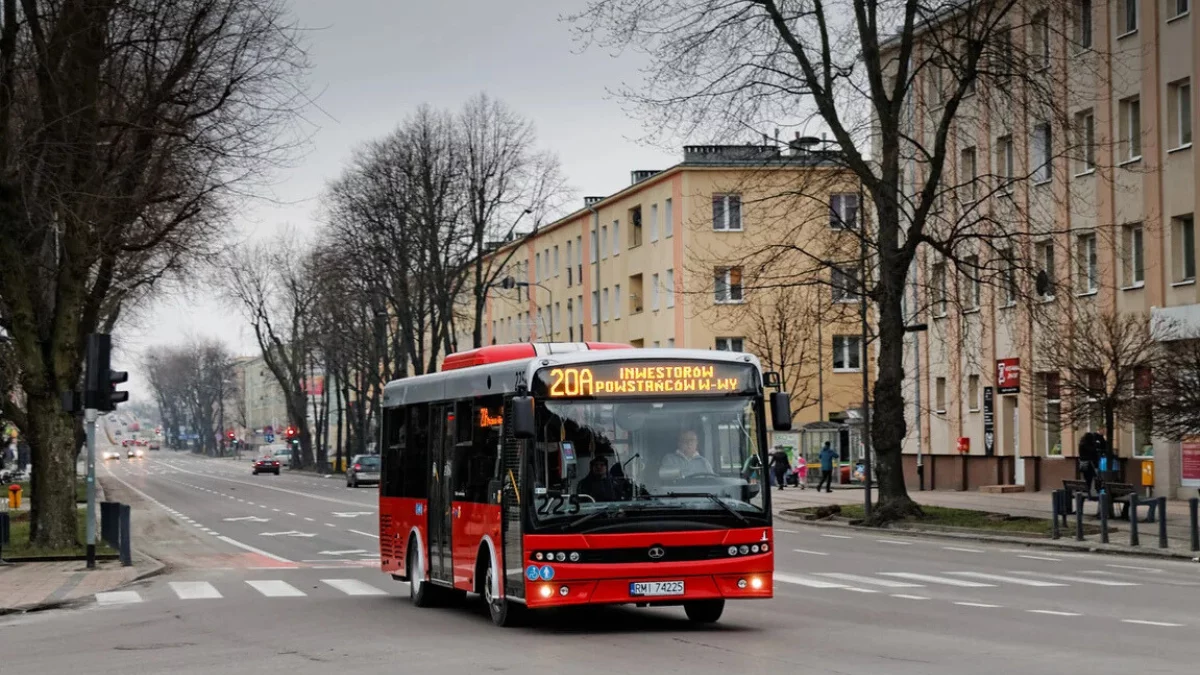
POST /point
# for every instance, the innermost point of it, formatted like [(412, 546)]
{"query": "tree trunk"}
[(52, 505)]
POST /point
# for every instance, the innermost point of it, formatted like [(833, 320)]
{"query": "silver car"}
[(363, 469)]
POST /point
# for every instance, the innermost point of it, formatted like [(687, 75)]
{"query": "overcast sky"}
[(376, 61)]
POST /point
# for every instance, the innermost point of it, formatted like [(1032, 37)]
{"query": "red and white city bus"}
[(546, 475)]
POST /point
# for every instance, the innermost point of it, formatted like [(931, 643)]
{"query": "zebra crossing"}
[(267, 588), (952, 579)]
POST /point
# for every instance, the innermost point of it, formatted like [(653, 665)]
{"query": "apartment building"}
[(682, 257), (1111, 224)]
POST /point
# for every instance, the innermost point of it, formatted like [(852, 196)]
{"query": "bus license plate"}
[(648, 588)]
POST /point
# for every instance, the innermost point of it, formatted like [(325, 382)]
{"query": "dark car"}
[(266, 465), (364, 469)]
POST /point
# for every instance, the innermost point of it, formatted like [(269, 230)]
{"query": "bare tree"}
[(189, 384), (127, 127), (1100, 369), (275, 285), (862, 70), (1175, 385)]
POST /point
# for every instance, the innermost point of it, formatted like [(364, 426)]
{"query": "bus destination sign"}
[(642, 378)]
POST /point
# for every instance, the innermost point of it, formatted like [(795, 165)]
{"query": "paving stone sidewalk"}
[(1028, 504), (26, 586)]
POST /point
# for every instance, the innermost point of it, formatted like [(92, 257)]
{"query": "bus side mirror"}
[(781, 411), (523, 427)]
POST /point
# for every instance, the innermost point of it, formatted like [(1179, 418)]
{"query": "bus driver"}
[(687, 459)]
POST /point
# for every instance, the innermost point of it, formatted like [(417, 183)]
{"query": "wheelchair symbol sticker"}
[(420, 509), (531, 573)]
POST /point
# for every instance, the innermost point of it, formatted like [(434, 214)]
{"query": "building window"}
[(604, 243), (670, 288), (939, 401), (1048, 386), (1179, 7), (570, 266), (938, 283), (616, 238), (1042, 152), (1086, 272), (1004, 163), (1131, 128), (1183, 231), (595, 249), (844, 284), (537, 267), (616, 302), (1003, 58), (727, 212), (847, 353), (1045, 258), (670, 343), (668, 218), (595, 307), (579, 260), (1041, 39), (570, 316), (967, 173), (1083, 25), (556, 267), (1180, 113), (973, 393), (654, 293), (1132, 256), (971, 286), (653, 222), (1085, 139), (1127, 19), (729, 344), (843, 211), (728, 284), (1009, 261)]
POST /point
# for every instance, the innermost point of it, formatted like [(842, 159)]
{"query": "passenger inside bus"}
[(602, 484)]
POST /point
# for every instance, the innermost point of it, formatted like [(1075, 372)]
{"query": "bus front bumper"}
[(651, 590)]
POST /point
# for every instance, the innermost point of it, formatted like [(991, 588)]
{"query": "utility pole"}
[(89, 419), (862, 262), (99, 394)]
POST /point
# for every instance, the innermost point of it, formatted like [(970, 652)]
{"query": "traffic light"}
[(230, 435), (100, 384)]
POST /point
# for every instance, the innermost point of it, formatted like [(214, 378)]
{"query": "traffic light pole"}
[(89, 417)]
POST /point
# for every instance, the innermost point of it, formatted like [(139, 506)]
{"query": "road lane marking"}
[(1052, 612), (365, 534), (272, 556), (1154, 570), (780, 529), (274, 588), (118, 597), (1007, 580), (805, 581), (938, 580), (961, 549), (859, 590), (194, 590), (1141, 622), (1082, 580), (801, 550), (888, 583), (309, 519), (893, 541), (252, 519), (346, 552), (1040, 557), (353, 587), (975, 604), (330, 525), (290, 513), (905, 596), (275, 510), (837, 536)]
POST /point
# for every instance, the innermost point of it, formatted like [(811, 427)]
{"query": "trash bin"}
[(14, 496)]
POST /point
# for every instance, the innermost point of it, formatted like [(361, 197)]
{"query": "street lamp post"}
[(509, 282)]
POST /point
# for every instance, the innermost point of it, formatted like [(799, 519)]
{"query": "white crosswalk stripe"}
[(118, 598), (888, 583), (194, 590), (353, 587), (962, 583), (1007, 580), (274, 588)]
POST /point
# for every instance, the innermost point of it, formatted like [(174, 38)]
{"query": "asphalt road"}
[(279, 574)]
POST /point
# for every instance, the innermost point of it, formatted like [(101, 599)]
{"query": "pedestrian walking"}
[(801, 471), (780, 466), (827, 456)]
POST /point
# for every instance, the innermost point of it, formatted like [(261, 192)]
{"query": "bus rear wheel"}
[(704, 611)]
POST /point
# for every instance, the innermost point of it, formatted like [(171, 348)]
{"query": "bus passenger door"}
[(441, 449)]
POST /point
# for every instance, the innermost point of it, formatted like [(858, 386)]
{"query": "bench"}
[(1121, 493)]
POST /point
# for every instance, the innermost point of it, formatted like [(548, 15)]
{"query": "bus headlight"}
[(756, 583), (547, 591)]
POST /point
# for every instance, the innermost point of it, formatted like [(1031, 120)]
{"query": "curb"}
[(154, 569), (1060, 545)]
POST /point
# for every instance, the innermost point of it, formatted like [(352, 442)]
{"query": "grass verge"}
[(937, 517), (18, 541), (80, 491)]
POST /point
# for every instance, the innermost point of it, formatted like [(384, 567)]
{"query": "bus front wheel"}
[(503, 612), (419, 592), (704, 611)]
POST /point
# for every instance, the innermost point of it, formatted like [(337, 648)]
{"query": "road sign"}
[(270, 438)]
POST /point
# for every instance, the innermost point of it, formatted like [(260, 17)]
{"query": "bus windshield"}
[(597, 461)]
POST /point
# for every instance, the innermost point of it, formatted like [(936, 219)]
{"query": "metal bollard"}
[(1162, 522), (3, 533), (1104, 516), (126, 550), (1133, 521), (1194, 509), (1078, 517), (109, 526), (1055, 510)]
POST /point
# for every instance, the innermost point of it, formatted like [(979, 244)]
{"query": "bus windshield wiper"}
[(583, 519), (711, 496)]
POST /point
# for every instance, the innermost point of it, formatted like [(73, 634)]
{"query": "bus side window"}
[(394, 435), (414, 461), (479, 465)]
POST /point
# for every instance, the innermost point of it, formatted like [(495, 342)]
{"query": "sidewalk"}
[(1028, 504)]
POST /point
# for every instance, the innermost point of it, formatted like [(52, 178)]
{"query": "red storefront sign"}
[(1189, 461), (1008, 376)]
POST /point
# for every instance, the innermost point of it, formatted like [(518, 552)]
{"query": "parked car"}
[(363, 469), (266, 464), (154, 445)]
